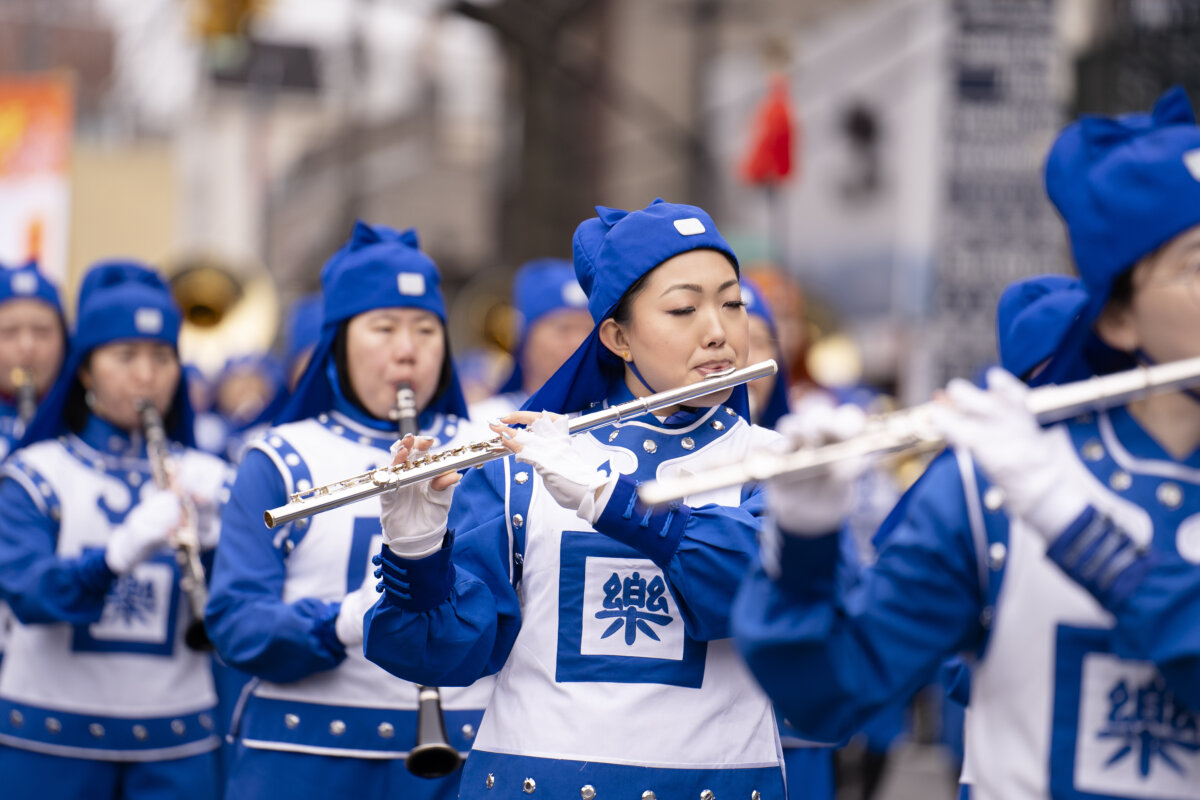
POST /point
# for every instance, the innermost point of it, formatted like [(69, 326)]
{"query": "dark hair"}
[(342, 363), (1122, 289)]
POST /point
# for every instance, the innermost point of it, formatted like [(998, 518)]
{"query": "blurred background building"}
[(249, 134)]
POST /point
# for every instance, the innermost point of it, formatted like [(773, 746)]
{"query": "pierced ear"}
[(1115, 328), (613, 336)]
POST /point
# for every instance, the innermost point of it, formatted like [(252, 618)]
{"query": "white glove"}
[(205, 481), (349, 622), (546, 444), (414, 518), (813, 506), (1038, 471), (146, 530)]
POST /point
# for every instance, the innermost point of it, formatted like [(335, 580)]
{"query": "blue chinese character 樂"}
[(631, 604)]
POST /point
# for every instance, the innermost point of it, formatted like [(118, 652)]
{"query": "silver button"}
[(528, 785), (730, 411), (1092, 450), (993, 498), (688, 443), (338, 429), (16, 718), (518, 520), (997, 552), (53, 725), (587, 792), (134, 479), (522, 477), (649, 446), (291, 721), (177, 727), (649, 795), (206, 722), (96, 729), (613, 435), (337, 727), (717, 425), (489, 781), (754, 795), (386, 729), (468, 731), (140, 733), (707, 795), (1169, 494), (1120, 480)]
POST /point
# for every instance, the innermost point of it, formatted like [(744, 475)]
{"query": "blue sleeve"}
[(1154, 597), (40, 586), (450, 618), (703, 551), (247, 620), (833, 646)]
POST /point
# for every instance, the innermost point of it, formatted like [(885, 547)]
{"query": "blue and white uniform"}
[(99, 695), (615, 672), (318, 718), (1084, 662)]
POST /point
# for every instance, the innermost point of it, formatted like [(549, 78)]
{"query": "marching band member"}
[(607, 623), (769, 395), (1062, 559), (287, 605), (33, 340), (99, 696), (554, 321)]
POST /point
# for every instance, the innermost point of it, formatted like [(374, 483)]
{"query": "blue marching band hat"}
[(379, 267), (540, 287), (777, 404), (612, 251), (118, 300), (27, 283)]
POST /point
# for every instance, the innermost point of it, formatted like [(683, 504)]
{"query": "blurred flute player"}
[(99, 696), (1062, 560), (607, 625), (554, 321), (33, 339), (287, 606)]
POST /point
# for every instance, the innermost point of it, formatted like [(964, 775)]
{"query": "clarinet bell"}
[(433, 757)]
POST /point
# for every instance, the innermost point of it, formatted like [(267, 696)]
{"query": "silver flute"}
[(424, 468), (911, 431)]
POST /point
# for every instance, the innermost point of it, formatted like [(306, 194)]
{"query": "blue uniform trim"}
[(294, 469), (654, 533), (35, 485), (416, 584), (564, 778), (1101, 557), (112, 738), (517, 495), (274, 724)]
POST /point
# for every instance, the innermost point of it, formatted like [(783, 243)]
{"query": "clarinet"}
[(187, 541), (433, 757), (22, 378)]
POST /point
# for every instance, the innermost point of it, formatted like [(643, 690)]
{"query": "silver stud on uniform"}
[(177, 727), (649, 795), (96, 729), (291, 721), (997, 552), (717, 425), (587, 792), (707, 794), (386, 729), (754, 795), (730, 411), (16, 718), (140, 733), (337, 727), (521, 477), (53, 725), (489, 781), (688, 443), (1092, 450), (528, 785), (613, 435), (1120, 480), (993, 498), (1169, 494), (468, 731), (518, 520), (649, 446)]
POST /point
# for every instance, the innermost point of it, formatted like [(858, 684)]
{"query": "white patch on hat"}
[(689, 227), (148, 320), (1191, 160), (24, 283), (412, 284), (573, 295)]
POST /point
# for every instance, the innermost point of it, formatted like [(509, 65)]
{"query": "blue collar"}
[(107, 439), (1142, 445)]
